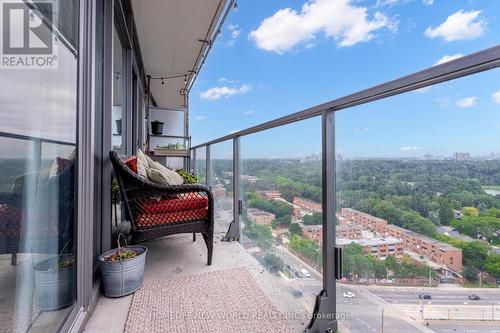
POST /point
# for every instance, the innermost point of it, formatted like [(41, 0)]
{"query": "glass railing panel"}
[(281, 222), (201, 165), (50, 152), (221, 183), (14, 165), (419, 210)]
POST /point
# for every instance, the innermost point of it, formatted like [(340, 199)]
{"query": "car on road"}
[(349, 294), (305, 272), (297, 293), (425, 296), (474, 297)]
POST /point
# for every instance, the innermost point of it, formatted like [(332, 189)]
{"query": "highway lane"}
[(364, 314), (455, 296), (446, 326)]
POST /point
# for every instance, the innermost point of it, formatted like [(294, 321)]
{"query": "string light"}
[(185, 76)]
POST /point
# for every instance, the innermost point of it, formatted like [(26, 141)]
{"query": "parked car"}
[(425, 296), (297, 293), (349, 294), (305, 272), (474, 297)]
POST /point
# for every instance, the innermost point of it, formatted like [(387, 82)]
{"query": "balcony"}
[(288, 264)]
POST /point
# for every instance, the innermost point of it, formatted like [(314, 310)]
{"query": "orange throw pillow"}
[(131, 162)]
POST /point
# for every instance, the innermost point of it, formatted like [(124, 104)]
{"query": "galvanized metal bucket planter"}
[(125, 276), (54, 285)]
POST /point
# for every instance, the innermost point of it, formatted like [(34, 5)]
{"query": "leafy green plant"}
[(121, 255), (189, 178), (172, 146)]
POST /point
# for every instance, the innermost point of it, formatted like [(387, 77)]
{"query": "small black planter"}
[(118, 126), (157, 127)]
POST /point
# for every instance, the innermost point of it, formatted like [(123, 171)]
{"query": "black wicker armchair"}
[(159, 210)]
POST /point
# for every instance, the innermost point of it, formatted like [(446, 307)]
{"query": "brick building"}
[(271, 194), (260, 217), (219, 191), (307, 205), (379, 247), (367, 221), (349, 231), (313, 232), (438, 252)]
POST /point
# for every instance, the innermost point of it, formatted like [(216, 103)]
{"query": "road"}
[(464, 327), (440, 296), (368, 315)]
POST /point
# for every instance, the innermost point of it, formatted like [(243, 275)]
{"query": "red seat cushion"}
[(189, 207)]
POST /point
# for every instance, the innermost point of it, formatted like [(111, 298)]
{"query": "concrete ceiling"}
[(169, 36)]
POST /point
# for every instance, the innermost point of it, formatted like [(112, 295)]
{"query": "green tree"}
[(390, 262), (492, 265), (261, 234), (470, 273), (314, 219), (470, 211), (295, 229), (445, 213), (273, 262)]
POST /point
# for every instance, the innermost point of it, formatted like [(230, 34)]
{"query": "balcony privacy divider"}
[(324, 314)]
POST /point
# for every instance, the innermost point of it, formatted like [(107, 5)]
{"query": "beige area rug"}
[(219, 302)]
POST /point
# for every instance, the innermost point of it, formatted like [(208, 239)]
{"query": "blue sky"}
[(279, 57)]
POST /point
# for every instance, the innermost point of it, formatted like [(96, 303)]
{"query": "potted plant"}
[(55, 282), (118, 126), (172, 149), (157, 127), (122, 269), (188, 177)]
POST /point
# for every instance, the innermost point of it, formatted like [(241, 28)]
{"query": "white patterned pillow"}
[(163, 175), (142, 163)]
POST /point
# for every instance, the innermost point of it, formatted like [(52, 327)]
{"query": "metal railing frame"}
[(324, 319), (37, 145)]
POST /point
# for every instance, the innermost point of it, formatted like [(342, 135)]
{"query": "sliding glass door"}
[(38, 158)]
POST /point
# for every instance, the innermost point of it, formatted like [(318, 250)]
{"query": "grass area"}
[(485, 284)]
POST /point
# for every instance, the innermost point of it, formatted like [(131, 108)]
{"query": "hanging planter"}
[(123, 269), (157, 127), (55, 282)]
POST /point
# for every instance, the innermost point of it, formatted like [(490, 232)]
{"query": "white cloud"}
[(458, 26), (249, 112), (496, 96), (226, 80), (224, 91), (364, 129), (428, 2), (381, 3), (447, 58), (409, 148), (235, 32), (466, 102), (199, 117), (340, 20)]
